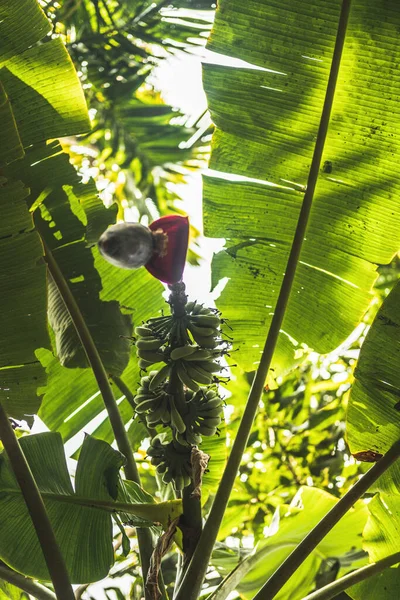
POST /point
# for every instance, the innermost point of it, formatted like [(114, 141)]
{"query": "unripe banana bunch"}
[(152, 400), (204, 325), (149, 346), (204, 417), (172, 460), (195, 365)]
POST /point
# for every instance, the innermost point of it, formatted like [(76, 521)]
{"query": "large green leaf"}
[(289, 526), (55, 195), (384, 586), (267, 120), (40, 97), (381, 538), (373, 412), (23, 313), (21, 25), (11, 148), (40, 80), (81, 517), (45, 92)]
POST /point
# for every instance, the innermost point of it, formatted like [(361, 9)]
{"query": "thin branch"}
[(191, 584), (336, 587), (37, 510), (309, 543), (144, 536), (25, 584)]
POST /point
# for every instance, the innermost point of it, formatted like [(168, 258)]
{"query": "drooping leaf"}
[(81, 518), (267, 120), (373, 422), (23, 315), (381, 539), (384, 586), (11, 147), (55, 196), (45, 92), (21, 26), (40, 80), (381, 530)]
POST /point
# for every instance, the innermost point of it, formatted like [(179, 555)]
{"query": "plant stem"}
[(144, 536), (336, 587), (37, 510), (24, 583), (307, 545), (191, 584), (191, 522)]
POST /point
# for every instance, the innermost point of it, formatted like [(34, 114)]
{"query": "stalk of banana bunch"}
[(178, 394)]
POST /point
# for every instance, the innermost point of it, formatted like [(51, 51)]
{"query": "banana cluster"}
[(172, 461), (204, 325), (152, 400), (204, 416), (195, 366), (149, 346)]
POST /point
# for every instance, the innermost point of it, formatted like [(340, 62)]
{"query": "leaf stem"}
[(191, 584), (24, 583), (336, 587), (37, 510), (144, 536), (307, 545)]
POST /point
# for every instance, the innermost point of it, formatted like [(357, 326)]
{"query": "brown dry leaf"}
[(163, 545), (199, 462)]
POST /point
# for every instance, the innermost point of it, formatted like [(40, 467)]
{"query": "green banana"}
[(207, 431), (214, 404), (212, 422), (208, 341), (155, 416), (166, 417), (203, 331), (176, 420), (145, 405), (149, 343), (183, 352), (198, 374), (162, 467), (213, 413), (159, 378), (209, 366), (196, 308), (150, 356), (143, 331), (190, 306), (205, 320), (186, 380), (179, 483), (191, 438), (199, 355), (167, 477), (139, 398), (143, 364)]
